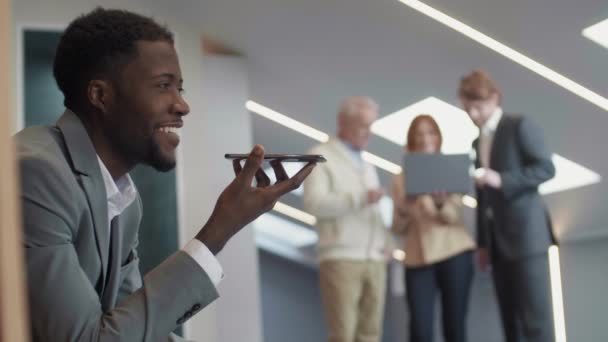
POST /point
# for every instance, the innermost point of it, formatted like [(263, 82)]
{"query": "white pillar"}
[(221, 125)]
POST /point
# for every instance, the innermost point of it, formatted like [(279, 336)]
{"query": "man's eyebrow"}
[(168, 75), (165, 75)]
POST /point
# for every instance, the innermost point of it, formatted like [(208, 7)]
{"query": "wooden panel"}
[(13, 324)]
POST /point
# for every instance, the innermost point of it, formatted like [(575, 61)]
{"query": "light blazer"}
[(84, 283), (430, 234), (514, 221), (336, 193)]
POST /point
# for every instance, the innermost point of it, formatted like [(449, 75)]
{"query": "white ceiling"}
[(305, 56)]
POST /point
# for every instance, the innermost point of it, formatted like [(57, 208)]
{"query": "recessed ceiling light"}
[(457, 129), (568, 175), (598, 33)]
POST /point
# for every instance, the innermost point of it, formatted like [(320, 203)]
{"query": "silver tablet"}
[(426, 173)]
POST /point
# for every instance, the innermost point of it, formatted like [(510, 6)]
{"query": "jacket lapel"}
[(84, 162), (476, 151), (121, 236), (496, 142), (113, 279)]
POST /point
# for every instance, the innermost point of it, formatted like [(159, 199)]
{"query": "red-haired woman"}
[(438, 246)]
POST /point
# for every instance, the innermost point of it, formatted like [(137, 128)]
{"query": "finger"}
[(279, 170), (282, 188), (252, 165), (262, 178), (299, 177), (236, 166)]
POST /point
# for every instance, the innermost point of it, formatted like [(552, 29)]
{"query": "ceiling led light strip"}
[(509, 53), (381, 163), (294, 213), (286, 121), (557, 295)]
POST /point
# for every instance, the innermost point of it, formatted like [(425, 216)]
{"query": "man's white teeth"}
[(174, 130)]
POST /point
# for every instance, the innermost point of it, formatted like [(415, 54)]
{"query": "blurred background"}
[(253, 67)]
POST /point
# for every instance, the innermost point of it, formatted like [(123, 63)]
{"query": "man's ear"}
[(100, 94)]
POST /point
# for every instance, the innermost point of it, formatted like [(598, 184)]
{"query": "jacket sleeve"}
[(537, 164), (320, 200), (64, 305)]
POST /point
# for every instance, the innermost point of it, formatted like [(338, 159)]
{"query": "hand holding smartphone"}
[(275, 161)]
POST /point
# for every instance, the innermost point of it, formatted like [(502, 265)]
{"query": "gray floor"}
[(292, 311)]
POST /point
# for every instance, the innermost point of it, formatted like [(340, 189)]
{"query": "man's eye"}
[(164, 85)]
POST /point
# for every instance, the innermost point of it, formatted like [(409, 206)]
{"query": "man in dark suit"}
[(122, 84), (513, 226)]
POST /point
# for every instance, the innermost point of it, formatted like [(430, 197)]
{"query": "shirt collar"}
[(120, 194), (349, 146), (353, 152), (490, 126)]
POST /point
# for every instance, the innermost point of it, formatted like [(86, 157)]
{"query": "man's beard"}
[(156, 160), (144, 151)]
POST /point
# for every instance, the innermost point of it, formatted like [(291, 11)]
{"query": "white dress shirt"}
[(486, 138), (122, 193), (355, 154)]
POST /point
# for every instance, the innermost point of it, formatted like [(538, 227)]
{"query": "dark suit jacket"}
[(83, 282), (513, 221)]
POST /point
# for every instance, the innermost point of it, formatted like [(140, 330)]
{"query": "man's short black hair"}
[(97, 45)]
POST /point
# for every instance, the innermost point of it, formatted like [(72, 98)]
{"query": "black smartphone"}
[(300, 158)]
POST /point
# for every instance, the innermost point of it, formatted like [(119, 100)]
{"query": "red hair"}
[(414, 126), (478, 86)]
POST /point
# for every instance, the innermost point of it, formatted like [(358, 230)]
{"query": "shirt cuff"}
[(203, 256)]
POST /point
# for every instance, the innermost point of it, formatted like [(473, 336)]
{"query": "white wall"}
[(218, 123), (223, 126)]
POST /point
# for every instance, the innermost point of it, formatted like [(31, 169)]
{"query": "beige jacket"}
[(430, 234), (336, 193)]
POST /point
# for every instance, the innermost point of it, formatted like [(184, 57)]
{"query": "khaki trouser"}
[(353, 298)]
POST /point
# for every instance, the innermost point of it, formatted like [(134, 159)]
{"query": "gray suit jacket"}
[(513, 222), (83, 281)]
